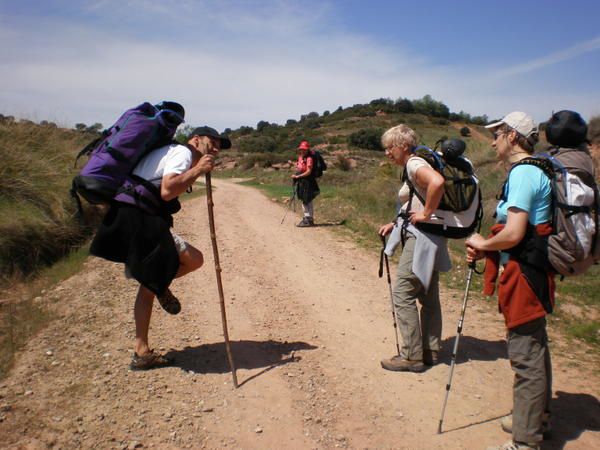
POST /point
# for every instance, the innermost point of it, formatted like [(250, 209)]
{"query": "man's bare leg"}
[(142, 312)]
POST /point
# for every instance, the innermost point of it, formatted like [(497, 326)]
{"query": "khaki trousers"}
[(532, 390), (426, 332)]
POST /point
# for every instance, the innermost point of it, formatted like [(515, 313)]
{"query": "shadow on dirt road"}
[(212, 358), (472, 348)]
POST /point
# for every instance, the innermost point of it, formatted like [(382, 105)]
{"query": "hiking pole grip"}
[(213, 238)]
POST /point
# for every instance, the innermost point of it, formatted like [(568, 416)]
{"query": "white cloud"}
[(228, 65), (554, 58)]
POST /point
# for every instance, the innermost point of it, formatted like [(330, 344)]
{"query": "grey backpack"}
[(574, 244)]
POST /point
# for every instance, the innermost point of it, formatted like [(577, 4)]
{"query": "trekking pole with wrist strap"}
[(383, 257), (213, 237), (458, 333)]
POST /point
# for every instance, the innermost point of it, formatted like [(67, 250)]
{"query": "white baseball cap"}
[(519, 121)]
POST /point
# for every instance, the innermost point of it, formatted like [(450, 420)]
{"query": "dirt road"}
[(309, 320)]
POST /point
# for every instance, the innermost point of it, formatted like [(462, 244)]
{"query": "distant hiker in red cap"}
[(306, 183)]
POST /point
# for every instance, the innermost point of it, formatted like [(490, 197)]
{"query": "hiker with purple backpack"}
[(137, 228)]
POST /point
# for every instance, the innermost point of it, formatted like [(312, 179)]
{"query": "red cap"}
[(304, 145)]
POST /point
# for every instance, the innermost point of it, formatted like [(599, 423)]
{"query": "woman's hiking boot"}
[(306, 222), (169, 302), (400, 364), (151, 360), (506, 424), (430, 357)]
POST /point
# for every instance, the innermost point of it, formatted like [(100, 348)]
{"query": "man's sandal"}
[(152, 360), (169, 302)]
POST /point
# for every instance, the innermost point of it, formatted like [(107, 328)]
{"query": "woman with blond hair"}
[(423, 256)]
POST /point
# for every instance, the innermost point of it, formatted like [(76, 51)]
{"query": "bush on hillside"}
[(311, 124), (96, 128), (368, 139), (404, 105), (366, 113), (379, 102), (255, 144), (430, 107), (261, 160), (261, 125), (245, 130), (336, 139), (480, 120), (465, 132)]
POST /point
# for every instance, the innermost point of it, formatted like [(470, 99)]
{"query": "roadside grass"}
[(38, 219)]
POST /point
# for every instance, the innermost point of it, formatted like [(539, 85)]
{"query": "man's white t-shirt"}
[(172, 158)]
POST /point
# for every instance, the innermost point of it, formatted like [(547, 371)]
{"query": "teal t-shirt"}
[(528, 189)]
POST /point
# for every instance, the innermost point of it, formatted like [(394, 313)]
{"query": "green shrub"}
[(311, 124), (430, 107), (256, 144), (404, 105), (465, 132), (262, 160), (336, 139), (261, 125), (369, 139)]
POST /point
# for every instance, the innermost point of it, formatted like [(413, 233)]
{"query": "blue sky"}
[(233, 63)]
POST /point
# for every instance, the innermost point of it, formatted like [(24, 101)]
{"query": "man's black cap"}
[(566, 129), (211, 132)]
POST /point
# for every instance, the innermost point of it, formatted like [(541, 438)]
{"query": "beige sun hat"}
[(519, 121)]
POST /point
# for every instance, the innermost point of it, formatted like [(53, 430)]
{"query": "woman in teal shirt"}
[(526, 289)]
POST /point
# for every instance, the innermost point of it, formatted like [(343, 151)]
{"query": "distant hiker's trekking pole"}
[(292, 200), (458, 333), (213, 237), (389, 280)]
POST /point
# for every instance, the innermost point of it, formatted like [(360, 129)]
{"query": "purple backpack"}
[(113, 156)]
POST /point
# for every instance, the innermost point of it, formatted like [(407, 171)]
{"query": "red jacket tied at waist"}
[(525, 290)]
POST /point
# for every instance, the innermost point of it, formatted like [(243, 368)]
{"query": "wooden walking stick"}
[(213, 237)]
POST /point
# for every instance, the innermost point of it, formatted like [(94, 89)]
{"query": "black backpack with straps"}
[(319, 164), (460, 210)]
